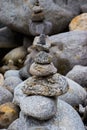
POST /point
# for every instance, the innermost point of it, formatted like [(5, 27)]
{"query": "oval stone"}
[(39, 107), (42, 70)]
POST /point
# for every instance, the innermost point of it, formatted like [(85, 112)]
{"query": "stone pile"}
[(43, 87), (37, 96)]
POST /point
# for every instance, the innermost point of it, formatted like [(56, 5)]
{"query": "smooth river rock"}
[(11, 82), (79, 75), (10, 73), (39, 107), (75, 95), (66, 118), (69, 49)]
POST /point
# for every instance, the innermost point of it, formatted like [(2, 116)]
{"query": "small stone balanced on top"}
[(45, 84)]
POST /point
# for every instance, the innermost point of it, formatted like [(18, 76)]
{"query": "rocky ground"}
[(43, 66)]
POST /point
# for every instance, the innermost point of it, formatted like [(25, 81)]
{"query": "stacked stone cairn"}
[(45, 84)]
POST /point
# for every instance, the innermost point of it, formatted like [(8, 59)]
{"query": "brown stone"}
[(79, 22), (8, 113)]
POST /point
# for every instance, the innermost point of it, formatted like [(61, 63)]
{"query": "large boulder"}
[(69, 49), (17, 14)]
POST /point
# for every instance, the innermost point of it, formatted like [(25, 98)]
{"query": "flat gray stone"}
[(54, 85), (43, 58), (39, 107), (66, 118), (42, 70), (5, 95)]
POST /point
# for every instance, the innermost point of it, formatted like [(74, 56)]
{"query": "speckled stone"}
[(54, 85), (39, 107), (42, 70), (66, 118), (43, 58)]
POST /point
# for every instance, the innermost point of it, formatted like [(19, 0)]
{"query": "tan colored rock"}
[(54, 85), (1, 79), (79, 23), (8, 113), (42, 70), (15, 56)]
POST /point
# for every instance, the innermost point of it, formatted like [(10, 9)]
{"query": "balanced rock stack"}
[(37, 23), (37, 96), (43, 87)]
